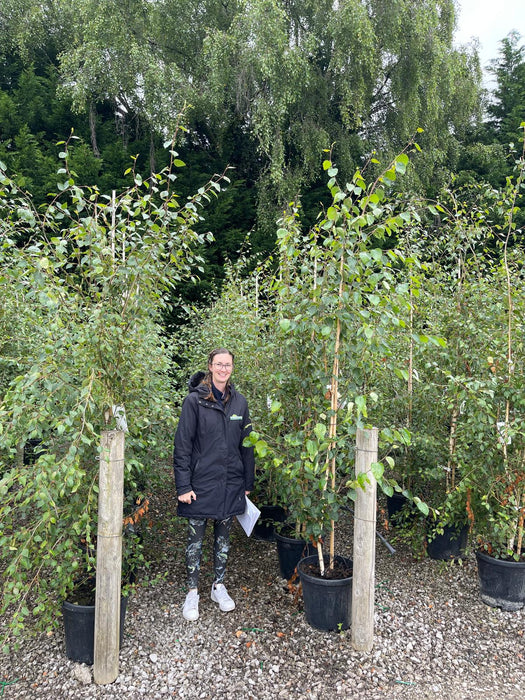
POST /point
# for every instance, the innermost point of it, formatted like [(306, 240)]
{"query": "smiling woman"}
[(213, 470)]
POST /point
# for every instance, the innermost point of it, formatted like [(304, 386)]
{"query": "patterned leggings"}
[(221, 547)]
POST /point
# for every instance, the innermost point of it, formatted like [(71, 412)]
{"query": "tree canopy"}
[(261, 85), (507, 109), (294, 76)]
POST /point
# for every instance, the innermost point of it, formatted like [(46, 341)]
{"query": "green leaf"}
[(320, 430), (377, 469), (423, 507), (401, 163), (360, 402), (261, 448)]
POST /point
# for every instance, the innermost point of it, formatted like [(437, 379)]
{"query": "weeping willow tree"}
[(290, 76)]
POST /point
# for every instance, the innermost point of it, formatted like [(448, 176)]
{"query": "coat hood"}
[(195, 380)]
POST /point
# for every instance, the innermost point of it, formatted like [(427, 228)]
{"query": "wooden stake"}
[(363, 583), (109, 557)]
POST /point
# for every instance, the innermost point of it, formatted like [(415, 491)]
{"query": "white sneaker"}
[(219, 594), (190, 611)]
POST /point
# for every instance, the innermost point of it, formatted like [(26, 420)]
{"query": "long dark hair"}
[(208, 378)]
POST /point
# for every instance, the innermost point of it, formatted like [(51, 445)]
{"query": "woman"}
[(213, 471)]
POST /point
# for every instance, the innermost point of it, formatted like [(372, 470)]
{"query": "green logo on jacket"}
[(234, 416)]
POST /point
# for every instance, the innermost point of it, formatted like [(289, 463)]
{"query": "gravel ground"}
[(434, 638)]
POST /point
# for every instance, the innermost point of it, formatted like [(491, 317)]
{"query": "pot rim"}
[(287, 538), (498, 562), (324, 581)]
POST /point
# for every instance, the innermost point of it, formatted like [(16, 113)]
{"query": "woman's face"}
[(221, 368)]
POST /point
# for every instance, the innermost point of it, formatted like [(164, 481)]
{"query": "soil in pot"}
[(84, 592), (501, 582), (342, 568), (327, 599)]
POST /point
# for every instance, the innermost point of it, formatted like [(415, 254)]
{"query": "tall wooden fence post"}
[(109, 557), (363, 582)]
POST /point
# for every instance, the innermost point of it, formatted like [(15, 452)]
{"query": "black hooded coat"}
[(209, 457)]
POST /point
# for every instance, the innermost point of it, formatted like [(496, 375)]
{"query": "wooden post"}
[(363, 583), (109, 557)]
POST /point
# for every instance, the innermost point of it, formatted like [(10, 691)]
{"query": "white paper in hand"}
[(250, 516)]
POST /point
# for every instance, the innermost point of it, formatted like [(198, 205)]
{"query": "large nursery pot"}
[(79, 629), (327, 601), (290, 551), (399, 509), (449, 545), (264, 528), (501, 582), (395, 503)]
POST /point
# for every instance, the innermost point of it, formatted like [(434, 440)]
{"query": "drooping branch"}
[(93, 129)]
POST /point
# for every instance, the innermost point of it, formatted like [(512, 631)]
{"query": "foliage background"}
[(89, 289), (261, 86)]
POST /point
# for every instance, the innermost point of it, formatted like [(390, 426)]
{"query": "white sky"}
[(489, 21)]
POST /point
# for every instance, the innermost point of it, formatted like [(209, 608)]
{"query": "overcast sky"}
[(489, 21)]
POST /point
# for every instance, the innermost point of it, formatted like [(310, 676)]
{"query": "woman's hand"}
[(188, 497)]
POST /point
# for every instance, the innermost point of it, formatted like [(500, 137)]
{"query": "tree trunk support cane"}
[(109, 557), (363, 583)]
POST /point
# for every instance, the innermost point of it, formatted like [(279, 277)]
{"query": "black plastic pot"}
[(395, 503), (264, 528), (394, 506), (33, 449), (450, 545), (79, 628), (290, 551), (501, 582), (327, 602)]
